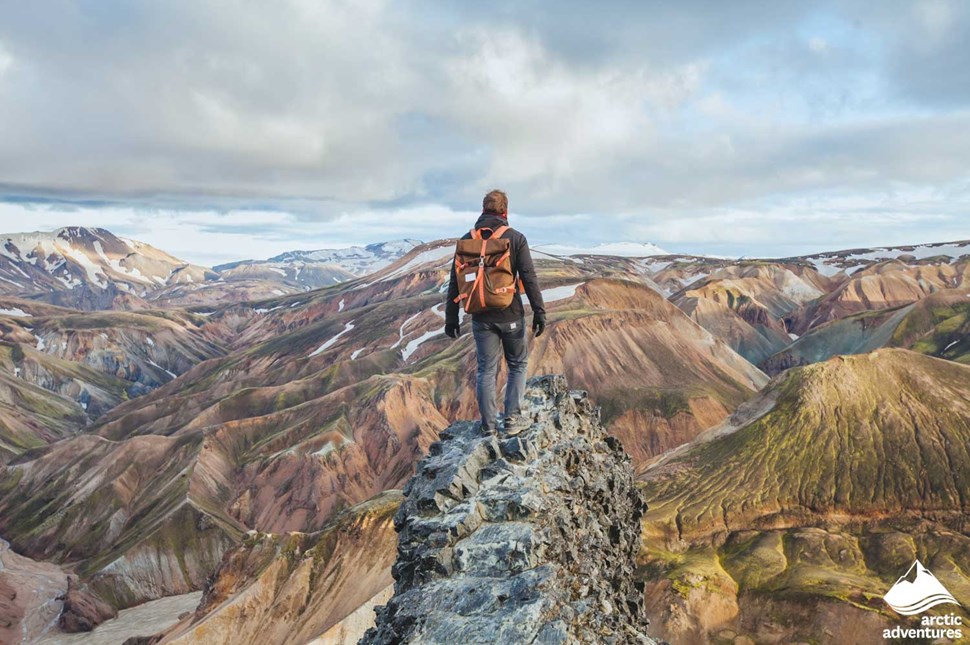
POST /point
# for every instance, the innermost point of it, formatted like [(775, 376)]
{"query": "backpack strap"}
[(496, 232)]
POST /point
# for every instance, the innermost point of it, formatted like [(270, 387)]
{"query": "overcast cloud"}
[(223, 130)]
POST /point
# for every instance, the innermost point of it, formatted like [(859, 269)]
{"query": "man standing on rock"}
[(492, 267)]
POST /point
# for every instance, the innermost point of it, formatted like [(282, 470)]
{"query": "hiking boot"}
[(487, 430), (514, 424)]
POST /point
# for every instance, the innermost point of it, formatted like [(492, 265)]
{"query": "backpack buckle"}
[(481, 261)]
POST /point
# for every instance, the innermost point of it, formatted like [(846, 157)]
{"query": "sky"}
[(221, 130)]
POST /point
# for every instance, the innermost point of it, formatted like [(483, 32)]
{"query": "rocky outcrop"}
[(524, 539), (31, 596), (299, 587), (83, 611)]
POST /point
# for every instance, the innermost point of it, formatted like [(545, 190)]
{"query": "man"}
[(500, 332)]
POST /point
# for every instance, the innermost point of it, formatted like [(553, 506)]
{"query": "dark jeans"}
[(492, 340)]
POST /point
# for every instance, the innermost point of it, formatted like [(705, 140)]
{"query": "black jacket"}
[(522, 268)]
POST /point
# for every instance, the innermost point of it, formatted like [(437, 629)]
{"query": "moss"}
[(666, 403)]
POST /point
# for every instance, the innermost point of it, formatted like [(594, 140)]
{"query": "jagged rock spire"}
[(527, 539)]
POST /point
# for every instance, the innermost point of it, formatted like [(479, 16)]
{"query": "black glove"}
[(538, 324), (452, 330)]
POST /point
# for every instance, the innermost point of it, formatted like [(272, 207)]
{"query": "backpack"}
[(483, 268)]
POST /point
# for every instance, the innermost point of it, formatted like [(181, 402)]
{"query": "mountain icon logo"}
[(909, 597)]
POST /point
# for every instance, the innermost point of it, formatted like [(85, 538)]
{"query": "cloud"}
[(333, 112)]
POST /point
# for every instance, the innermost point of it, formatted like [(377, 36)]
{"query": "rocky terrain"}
[(88, 268), (141, 444), (309, 413), (524, 539), (747, 304), (938, 325), (93, 269), (61, 369), (309, 268), (31, 596), (293, 587)]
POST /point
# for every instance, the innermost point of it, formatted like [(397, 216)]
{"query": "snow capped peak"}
[(394, 246), (832, 262), (358, 260), (75, 257), (620, 249)]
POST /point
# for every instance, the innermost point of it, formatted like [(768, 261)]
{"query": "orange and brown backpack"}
[(483, 268)]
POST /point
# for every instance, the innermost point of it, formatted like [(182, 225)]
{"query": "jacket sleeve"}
[(451, 307), (527, 272)]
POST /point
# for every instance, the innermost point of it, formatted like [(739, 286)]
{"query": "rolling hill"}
[(812, 501)]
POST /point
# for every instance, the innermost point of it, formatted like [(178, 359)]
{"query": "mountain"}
[(792, 520), (139, 448), (355, 260), (323, 400), (748, 303), (938, 325), (60, 369), (880, 286), (24, 615), (851, 260), (88, 268), (621, 249), (293, 587), (93, 269), (761, 307), (286, 274)]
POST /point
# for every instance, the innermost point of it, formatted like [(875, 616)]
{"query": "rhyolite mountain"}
[(355, 260), (144, 445), (529, 539), (322, 401), (789, 522), (88, 268), (61, 369), (326, 399), (761, 307), (91, 268)]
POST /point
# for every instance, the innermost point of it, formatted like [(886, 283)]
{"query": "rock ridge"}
[(524, 539)]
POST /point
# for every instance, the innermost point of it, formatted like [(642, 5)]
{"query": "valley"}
[(166, 428)]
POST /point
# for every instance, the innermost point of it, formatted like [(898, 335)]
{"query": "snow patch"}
[(439, 255), (333, 340), (413, 345), (401, 330), (93, 270), (560, 293), (16, 312), (154, 364)]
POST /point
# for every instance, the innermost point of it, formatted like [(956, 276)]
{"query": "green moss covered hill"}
[(804, 516)]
